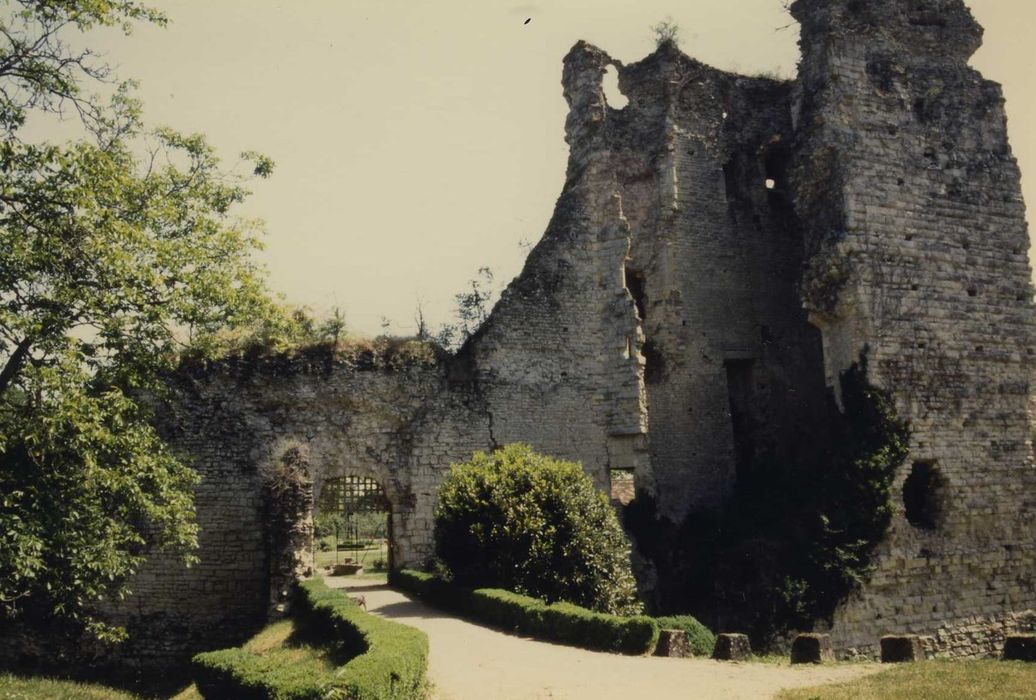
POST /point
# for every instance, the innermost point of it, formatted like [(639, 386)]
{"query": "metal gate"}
[(364, 509)]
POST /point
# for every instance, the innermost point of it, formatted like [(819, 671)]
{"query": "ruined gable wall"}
[(919, 252), (552, 363), (665, 258)]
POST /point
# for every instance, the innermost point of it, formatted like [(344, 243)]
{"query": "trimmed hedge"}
[(703, 641), (557, 622), (388, 661)]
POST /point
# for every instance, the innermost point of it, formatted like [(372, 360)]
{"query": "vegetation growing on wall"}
[(534, 525), (796, 537), (292, 340)]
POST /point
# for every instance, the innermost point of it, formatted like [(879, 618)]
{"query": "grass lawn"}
[(933, 680), (282, 640), (19, 688)]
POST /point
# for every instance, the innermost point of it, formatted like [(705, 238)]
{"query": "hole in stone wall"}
[(924, 495), (654, 363), (634, 280), (353, 524), (623, 486), (972, 292), (775, 169), (612, 94)]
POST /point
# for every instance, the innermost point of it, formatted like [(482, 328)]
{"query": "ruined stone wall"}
[(918, 248), (663, 325), (234, 423), (667, 269)]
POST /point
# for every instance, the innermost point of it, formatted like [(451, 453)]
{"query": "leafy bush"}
[(518, 520), (386, 660), (558, 622), (702, 640)]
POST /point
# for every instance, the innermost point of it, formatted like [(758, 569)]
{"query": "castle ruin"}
[(724, 247)]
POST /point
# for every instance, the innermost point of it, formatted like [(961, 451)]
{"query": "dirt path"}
[(470, 662)]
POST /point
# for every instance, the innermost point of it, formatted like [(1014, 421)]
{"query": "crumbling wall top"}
[(938, 28)]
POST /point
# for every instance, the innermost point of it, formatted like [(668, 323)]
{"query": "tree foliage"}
[(116, 251), (471, 309), (534, 525)]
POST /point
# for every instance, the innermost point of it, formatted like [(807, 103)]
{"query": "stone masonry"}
[(723, 247)]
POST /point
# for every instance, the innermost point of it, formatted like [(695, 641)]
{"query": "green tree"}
[(471, 309), (534, 525), (116, 251)]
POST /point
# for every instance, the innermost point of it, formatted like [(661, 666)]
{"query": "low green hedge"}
[(558, 622), (703, 641), (387, 660), (240, 674)]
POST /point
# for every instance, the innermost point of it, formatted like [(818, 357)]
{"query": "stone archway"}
[(354, 513)]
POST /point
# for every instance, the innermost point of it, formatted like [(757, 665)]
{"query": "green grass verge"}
[(933, 680), (21, 688), (558, 622), (333, 649)]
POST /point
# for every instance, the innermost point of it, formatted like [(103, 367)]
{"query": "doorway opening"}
[(353, 526)]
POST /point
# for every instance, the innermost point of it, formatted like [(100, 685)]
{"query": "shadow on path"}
[(411, 609)]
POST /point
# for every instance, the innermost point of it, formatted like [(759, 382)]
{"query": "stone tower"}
[(917, 249)]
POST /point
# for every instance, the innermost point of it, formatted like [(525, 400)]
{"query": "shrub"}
[(518, 520), (703, 641), (559, 622), (386, 660)]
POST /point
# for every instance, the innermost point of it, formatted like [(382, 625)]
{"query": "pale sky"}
[(418, 140)]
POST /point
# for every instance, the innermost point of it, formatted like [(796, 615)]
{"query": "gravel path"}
[(471, 662)]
